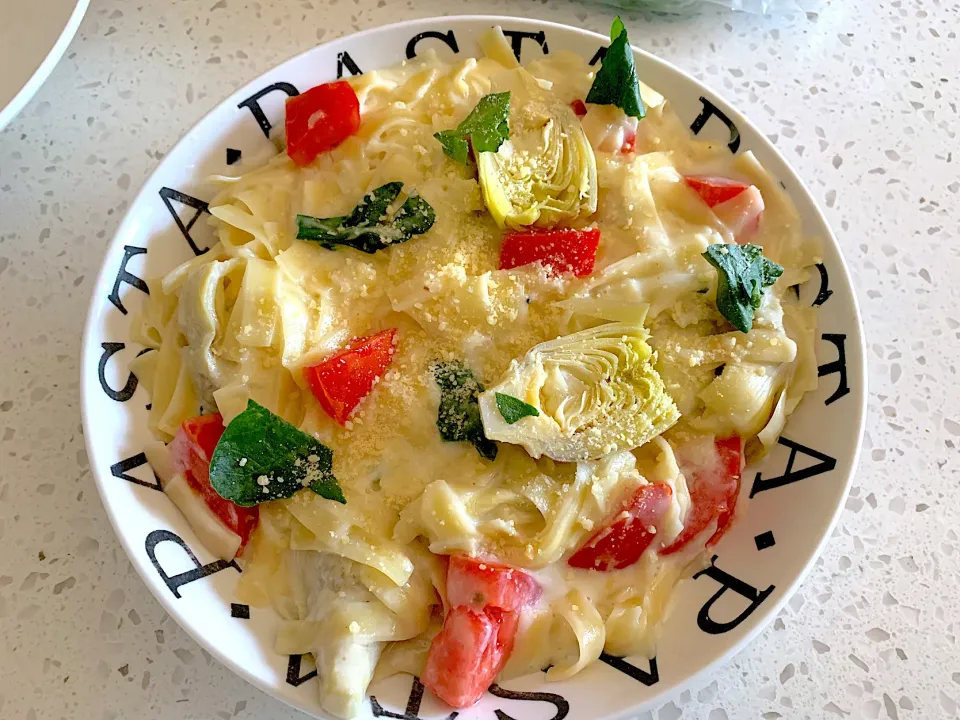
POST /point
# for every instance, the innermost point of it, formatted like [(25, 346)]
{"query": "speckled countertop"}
[(862, 99)]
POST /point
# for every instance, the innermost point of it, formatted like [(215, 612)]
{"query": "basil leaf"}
[(743, 274), (454, 146), (262, 457), (513, 409), (369, 228), (414, 217), (486, 126), (616, 28), (458, 418), (372, 209), (616, 80)]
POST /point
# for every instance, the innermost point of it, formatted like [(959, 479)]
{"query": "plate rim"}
[(39, 76), (668, 692)]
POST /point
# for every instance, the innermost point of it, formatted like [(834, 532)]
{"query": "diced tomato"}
[(578, 107), (507, 633), (193, 446), (715, 190), (742, 214), (610, 129), (738, 206), (621, 543), (713, 494), (468, 654), (561, 249), (478, 584), (339, 383), (320, 119), (479, 630), (191, 451)]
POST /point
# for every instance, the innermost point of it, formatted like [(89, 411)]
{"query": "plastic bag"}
[(759, 7)]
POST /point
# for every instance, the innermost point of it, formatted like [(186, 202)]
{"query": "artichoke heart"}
[(202, 316), (546, 172), (597, 392)]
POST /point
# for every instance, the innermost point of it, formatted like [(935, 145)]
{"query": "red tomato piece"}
[(339, 383), (629, 141), (561, 250), (193, 446), (578, 108), (715, 190), (320, 119), (742, 214), (479, 584), (468, 654), (191, 451), (621, 543), (713, 494)]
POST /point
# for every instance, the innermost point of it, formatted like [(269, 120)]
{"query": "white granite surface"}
[(860, 96)]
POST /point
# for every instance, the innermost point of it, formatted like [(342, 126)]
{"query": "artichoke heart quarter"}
[(597, 392), (546, 172)]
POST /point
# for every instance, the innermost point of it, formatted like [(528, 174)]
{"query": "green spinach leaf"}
[(369, 227), (262, 457), (616, 80), (743, 274), (513, 409), (486, 126), (458, 418)]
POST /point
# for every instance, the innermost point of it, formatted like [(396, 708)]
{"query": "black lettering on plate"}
[(175, 582), (412, 711), (168, 195), (345, 61), (825, 292), (764, 540), (293, 672), (125, 276), (240, 611), (711, 110), (126, 392), (824, 463), (728, 582), (518, 36), (562, 706), (598, 56), (233, 156), (252, 104), (120, 470), (837, 366), (447, 38), (648, 678)]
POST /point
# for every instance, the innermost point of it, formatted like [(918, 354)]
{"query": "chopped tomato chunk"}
[(742, 214), (339, 383), (713, 494), (477, 584), (320, 119), (468, 654), (578, 108), (485, 600), (561, 249), (738, 206), (715, 190), (610, 129), (621, 543), (191, 451)]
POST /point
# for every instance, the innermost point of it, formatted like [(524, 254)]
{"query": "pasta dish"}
[(468, 381)]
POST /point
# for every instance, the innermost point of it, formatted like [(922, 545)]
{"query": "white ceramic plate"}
[(789, 503), (33, 38)]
